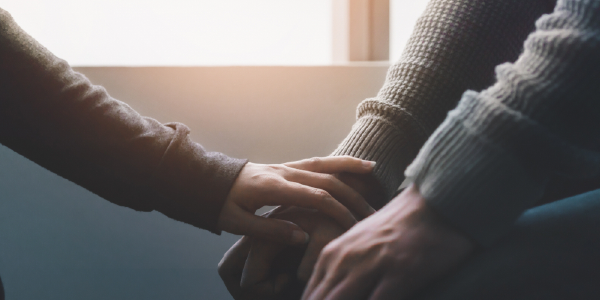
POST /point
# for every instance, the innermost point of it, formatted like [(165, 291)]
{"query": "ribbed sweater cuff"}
[(473, 182), (377, 139)]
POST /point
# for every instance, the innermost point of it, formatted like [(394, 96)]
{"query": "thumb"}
[(259, 261)]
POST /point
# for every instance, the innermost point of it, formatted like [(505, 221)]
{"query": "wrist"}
[(409, 203), (412, 211), (410, 208)]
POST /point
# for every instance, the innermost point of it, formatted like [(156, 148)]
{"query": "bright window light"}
[(403, 17), (179, 32), (193, 32)]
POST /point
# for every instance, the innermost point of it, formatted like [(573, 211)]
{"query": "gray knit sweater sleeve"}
[(493, 155), (455, 46)]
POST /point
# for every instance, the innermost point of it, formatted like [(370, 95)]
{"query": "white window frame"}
[(360, 30)]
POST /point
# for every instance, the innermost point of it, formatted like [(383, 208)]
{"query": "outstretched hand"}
[(306, 183), (389, 255)]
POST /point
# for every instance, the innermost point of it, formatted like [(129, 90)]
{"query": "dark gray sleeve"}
[(455, 46), (492, 157), (58, 119)]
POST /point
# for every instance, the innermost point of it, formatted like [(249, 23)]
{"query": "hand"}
[(367, 186), (259, 269), (271, 270), (364, 183), (389, 255), (230, 270), (303, 184)]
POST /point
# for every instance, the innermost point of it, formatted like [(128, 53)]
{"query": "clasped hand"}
[(389, 255), (306, 183)]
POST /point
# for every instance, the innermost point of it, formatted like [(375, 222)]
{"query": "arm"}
[(454, 47), (492, 157), (483, 166), (58, 119)]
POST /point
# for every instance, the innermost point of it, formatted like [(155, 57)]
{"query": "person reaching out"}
[(55, 117)]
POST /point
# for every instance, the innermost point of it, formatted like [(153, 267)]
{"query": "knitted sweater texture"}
[(58, 119), (492, 156)]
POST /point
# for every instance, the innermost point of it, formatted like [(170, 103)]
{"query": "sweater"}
[(481, 165), (57, 118)]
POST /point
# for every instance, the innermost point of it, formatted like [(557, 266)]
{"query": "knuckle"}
[(330, 250), (321, 194), (348, 158), (314, 161), (329, 181)]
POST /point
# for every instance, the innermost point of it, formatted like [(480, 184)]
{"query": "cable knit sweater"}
[(492, 156), (58, 119)]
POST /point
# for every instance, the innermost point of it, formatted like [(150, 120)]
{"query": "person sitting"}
[(470, 224)]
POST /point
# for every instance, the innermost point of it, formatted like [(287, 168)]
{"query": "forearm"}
[(454, 47), (57, 118), (492, 157)]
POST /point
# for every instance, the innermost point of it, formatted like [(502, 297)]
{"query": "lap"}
[(552, 253)]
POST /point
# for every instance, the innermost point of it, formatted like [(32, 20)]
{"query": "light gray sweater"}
[(494, 153)]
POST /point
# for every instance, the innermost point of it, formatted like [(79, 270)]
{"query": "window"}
[(193, 32), (403, 16)]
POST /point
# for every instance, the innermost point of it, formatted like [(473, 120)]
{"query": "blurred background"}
[(267, 80)]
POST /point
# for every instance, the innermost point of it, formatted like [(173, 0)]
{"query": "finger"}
[(311, 255), (356, 181), (358, 285), (334, 164), (339, 190), (259, 261), (268, 289), (275, 230), (296, 194), (366, 185), (231, 266), (235, 256), (390, 288), (316, 279), (324, 288)]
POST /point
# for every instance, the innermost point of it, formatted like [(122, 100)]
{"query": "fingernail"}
[(299, 237), (369, 164)]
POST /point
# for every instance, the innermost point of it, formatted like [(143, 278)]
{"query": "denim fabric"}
[(553, 252)]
